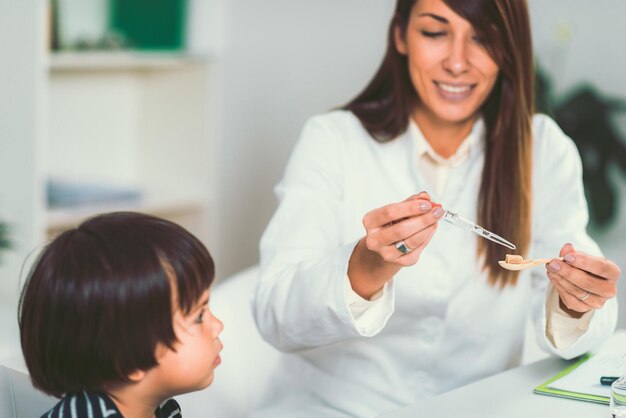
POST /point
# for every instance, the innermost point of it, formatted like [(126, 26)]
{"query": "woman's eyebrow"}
[(434, 16)]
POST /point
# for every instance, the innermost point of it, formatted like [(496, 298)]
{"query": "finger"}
[(568, 299), (406, 228), (424, 195), (390, 252), (583, 279), (395, 212), (592, 300), (421, 195), (566, 249), (423, 238), (599, 266)]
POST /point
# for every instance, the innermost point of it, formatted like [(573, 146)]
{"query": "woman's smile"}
[(454, 91)]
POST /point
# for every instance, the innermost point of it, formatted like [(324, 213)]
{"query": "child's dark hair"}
[(100, 298)]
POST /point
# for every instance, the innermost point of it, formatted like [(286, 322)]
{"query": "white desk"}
[(509, 394)]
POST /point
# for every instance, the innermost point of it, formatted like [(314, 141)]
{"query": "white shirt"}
[(562, 330), (433, 166), (438, 324)]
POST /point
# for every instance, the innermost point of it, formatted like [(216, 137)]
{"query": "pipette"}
[(467, 225)]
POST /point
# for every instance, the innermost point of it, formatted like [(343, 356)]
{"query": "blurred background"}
[(189, 109)]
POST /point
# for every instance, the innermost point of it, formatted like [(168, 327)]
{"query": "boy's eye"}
[(200, 316), (429, 34)]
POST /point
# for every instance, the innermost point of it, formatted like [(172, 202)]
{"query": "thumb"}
[(424, 195), (567, 248), (420, 195)]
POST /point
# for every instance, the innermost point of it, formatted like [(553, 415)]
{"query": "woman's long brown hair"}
[(504, 202)]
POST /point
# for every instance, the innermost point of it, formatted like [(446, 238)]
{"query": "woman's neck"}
[(443, 136)]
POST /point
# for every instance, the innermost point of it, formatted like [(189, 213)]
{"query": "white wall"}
[(282, 62), (21, 118), (594, 50)]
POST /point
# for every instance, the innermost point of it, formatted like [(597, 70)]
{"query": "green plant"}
[(4, 237), (586, 116)]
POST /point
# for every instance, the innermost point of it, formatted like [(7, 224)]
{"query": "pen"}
[(608, 380)]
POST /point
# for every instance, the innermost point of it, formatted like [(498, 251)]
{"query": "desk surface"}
[(509, 394)]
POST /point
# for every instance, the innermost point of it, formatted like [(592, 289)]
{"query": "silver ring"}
[(586, 296), (403, 248)]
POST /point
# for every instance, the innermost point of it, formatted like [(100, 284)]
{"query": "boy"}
[(114, 318)]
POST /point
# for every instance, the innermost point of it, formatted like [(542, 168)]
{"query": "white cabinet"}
[(133, 120), (137, 120)]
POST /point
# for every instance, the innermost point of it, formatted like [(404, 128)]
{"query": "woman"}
[(380, 304)]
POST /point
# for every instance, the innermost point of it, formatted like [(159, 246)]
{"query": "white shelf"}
[(120, 61), (125, 118), (111, 121), (59, 219)]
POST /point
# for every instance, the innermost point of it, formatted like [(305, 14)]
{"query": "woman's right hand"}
[(413, 221), (376, 258)]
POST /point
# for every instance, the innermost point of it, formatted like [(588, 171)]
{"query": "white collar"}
[(467, 149)]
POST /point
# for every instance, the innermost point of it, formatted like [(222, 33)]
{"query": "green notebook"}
[(544, 389)]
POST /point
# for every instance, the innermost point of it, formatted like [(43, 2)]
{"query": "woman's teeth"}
[(454, 89)]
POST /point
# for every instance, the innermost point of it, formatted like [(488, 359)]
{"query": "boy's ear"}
[(137, 376), (399, 40)]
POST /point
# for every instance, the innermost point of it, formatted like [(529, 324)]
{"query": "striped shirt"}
[(99, 405)]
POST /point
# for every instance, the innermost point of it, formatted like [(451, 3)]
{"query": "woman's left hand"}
[(584, 282)]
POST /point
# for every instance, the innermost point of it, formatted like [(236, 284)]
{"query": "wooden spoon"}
[(527, 263)]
